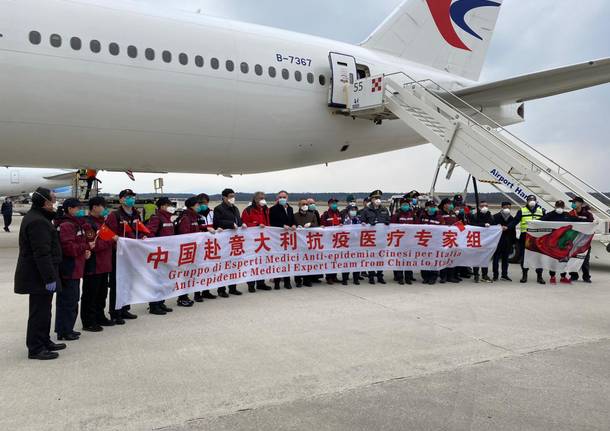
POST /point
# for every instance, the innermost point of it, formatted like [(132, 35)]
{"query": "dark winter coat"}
[(226, 216), (280, 216), (375, 216)]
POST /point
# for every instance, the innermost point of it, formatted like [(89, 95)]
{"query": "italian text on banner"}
[(160, 268), (557, 246)]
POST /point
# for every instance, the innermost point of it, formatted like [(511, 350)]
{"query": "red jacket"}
[(255, 216), (73, 241), (161, 224), (331, 218), (117, 220), (408, 217), (585, 215), (189, 222), (448, 219), (100, 261), (431, 220)]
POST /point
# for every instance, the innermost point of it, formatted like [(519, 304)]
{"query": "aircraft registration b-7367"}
[(98, 84)]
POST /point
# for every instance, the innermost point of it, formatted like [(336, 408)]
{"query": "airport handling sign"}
[(367, 93)]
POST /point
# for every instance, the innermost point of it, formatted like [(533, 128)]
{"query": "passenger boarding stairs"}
[(484, 148)]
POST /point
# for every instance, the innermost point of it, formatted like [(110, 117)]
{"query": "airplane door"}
[(343, 73), (14, 176)]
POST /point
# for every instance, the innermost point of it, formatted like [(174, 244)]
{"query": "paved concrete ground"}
[(470, 357)]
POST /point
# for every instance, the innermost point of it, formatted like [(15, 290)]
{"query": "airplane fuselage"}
[(88, 85)]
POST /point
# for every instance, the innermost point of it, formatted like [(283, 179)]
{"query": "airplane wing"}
[(538, 85), (68, 176)]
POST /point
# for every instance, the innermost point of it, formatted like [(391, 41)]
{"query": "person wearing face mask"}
[(188, 223), (448, 218), (226, 216), (582, 213), (405, 214), (429, 216), (123, 221), (507, 241), (206, 224), (559, 214), (350, 217), (257, 215), (305, 219), (282, 215), (532, 211), (75, 250), (482, 218), (160, 224), (350, 200), (375, 214), (311, 203), (37, 273), (97, 270), (332, 217)]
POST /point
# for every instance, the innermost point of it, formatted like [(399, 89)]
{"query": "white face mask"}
[(506, 211), (231, 201), (531, 204), (305, 208), (171, 210), (353, 213), (484, 210), (457, 212), (377, 202), (559, 210), (262, 202)]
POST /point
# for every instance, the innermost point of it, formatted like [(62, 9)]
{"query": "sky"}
[(572, 129)]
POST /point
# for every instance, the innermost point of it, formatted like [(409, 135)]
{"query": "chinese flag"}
[(105, 233), (460, 226), (141, 227)]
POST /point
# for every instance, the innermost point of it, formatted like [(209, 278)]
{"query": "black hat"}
[(350, 198), (332, 201), (506, 203), (40, 196), (444, 202), (97, 201), (72, 203), (227, 192), (531, 198), (163, 201), (430, 204), (352, 205), (413, 194), (560, 204), (376, 194), (578, 199), (458, 198), (191, 202), (203, 197), (126, 192), (406, 198)]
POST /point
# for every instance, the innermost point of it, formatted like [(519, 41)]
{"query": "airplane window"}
[(244, 67), (322, 80), (55, 40), (272, 72), (95, 46), (258, 69), (298, 76), (199, 61), (35, 38), (215, 63), (183, 59), (230, 66), (285, 74), (132, 51), (149, 53), (113, 48), (310, 78), (76, 44), (167, 56)]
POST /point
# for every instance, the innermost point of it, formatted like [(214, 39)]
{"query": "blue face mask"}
[(573, 205), (414, 202), (451, 207), (334, 207), (432, 211), (282, 201), (80, 213), (130, 202), (405, 208), (312, 207), (105, 212), (461, 211), (203, 208)]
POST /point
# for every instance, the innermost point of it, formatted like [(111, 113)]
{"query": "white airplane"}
[(17, 182), (109, 85)]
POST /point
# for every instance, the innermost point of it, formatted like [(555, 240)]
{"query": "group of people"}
[(58, 249)]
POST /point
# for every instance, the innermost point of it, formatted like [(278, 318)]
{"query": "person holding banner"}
[(160, 224), (351, 217), (559, 214), (282, 215), (206, 224), (188, 223), (97, 269), (226, 216), (375, 214), (405, 215), (332, 217), (505, 219), (582, 213), (430, 216), (126, 223), (448, 218), (257, 215), (304, 218), (482, 218), (532, 211)]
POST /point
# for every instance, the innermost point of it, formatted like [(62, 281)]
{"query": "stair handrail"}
[(499, 126)]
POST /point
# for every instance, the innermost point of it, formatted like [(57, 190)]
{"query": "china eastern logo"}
[(446, 14)]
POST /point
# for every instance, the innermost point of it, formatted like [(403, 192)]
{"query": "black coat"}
[(280, 217), (226, 216), (509, 236), (7, 209), (39, 253), (375, 216), (479, 219)]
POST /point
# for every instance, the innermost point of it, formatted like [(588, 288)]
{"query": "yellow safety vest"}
[(527, 216)]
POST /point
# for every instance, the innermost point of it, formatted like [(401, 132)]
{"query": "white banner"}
[(160, 268), (557, 246)]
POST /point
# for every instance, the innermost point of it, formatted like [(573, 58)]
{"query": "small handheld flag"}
[(105, 233)]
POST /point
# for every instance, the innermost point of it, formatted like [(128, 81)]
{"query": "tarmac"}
[(502, 356)]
